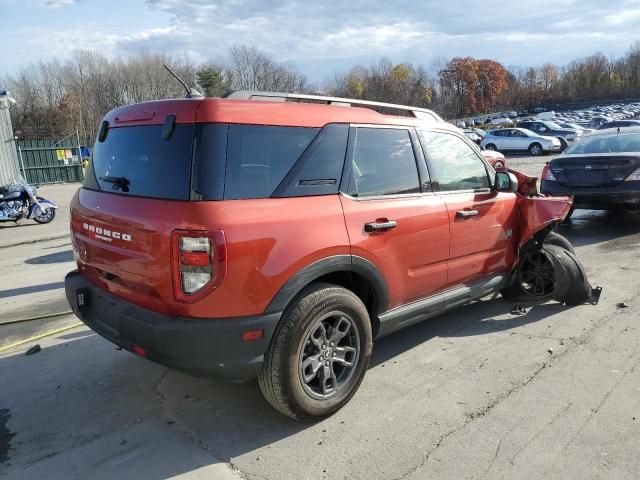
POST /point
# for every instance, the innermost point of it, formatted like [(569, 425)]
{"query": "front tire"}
[(556, 239), (46, 216), (491, 147), (319, 353), (534, 277), (550, 272), (535, 149)]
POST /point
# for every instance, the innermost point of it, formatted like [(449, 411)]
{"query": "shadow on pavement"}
[(23, 223), (59, 257), (477, 318), (31, 289)]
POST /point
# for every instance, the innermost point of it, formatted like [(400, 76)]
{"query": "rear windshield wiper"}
[(121, 183)]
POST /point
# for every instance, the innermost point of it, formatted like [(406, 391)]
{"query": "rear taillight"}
[(634, 177), (199, 263), (547, 174)]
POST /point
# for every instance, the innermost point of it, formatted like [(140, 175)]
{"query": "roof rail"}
[(424, 113)]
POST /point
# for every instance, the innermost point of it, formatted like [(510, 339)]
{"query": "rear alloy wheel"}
[(535, 149), (329, 355), (319, 353)]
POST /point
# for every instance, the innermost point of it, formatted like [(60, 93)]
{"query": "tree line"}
[(58, 97)]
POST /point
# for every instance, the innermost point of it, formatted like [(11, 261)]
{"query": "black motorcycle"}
[(20, 200)]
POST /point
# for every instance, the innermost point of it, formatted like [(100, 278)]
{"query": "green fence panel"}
[(50, 161)]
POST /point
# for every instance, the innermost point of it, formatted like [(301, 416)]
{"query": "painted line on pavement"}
[(38, 337), (40, 317)]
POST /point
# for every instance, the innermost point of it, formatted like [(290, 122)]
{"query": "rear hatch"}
[(599, 170), (149, 225), (135, 192)]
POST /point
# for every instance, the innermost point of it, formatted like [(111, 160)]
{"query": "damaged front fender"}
[(537, 212)]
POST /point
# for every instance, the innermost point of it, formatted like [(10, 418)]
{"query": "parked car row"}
[(586, 118)]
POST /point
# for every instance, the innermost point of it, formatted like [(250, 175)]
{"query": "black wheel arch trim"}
[(328, 265)]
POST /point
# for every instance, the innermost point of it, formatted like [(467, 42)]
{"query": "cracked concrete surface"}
[(474, 394)]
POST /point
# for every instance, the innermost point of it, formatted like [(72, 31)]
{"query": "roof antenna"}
[(191, 92)]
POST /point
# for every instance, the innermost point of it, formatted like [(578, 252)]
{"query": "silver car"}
[(520, 139)]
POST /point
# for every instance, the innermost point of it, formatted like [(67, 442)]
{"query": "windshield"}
[(606, 144)]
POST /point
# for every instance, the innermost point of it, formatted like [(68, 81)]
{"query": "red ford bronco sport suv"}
[(277, 235)]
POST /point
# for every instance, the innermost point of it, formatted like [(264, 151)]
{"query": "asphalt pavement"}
[(475, 393)]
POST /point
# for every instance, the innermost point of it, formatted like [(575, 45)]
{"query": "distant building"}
[(9, 167)]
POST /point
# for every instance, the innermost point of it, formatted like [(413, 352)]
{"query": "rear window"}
[(138, 161), (626, 143)]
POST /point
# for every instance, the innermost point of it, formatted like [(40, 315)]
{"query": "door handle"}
[(466, 213), (380, 226)]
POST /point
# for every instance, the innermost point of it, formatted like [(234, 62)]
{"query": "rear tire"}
[(319, 353), (535, 149)]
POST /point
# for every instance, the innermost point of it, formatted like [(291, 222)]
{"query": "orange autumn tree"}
[(472, 85)]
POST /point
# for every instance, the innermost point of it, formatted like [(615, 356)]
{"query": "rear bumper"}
[(200, 347), (623, 194)]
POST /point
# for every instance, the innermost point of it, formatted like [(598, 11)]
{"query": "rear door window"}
[(259, 157), (138, 161)]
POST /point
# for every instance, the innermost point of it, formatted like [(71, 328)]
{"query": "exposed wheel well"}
[(361, 287)]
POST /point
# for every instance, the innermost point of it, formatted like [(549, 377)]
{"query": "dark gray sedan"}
[(601, 171)]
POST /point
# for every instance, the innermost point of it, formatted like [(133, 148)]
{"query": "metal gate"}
[(50, 161)]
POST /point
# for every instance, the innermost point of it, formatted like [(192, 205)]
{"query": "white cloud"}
[(59, 3), (328, 35)]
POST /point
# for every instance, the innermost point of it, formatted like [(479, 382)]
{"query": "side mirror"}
[(506, 182)]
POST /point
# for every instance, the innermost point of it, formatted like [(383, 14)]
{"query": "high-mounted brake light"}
[(199, 263), (634, 177), (547, 174)]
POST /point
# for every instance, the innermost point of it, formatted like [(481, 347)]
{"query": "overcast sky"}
[(321, 36)]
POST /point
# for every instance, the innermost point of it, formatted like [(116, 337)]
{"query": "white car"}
[(501, 121), (520, 139), (546, 116)]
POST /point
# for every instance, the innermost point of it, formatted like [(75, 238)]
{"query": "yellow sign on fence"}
[(60, 155)]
